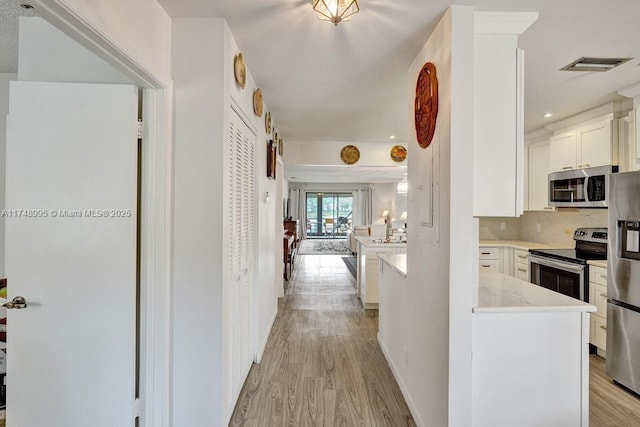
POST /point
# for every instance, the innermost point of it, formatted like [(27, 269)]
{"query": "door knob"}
[(17, 303)]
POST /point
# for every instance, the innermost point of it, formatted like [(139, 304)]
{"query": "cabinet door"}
[(562, 152), (539, 177), (522, 272), (595, 144)]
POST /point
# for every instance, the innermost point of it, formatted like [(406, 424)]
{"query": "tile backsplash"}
[(556, 228)]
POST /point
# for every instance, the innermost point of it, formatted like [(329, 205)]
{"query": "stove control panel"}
[(598, 235)]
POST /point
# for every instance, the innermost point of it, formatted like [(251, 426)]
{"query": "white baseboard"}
[(263, 345), (403, 387)]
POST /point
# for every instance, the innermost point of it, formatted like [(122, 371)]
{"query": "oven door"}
[(563, 277)]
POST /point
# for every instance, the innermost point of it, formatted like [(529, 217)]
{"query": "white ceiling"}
[(9, 12), (349, 83)]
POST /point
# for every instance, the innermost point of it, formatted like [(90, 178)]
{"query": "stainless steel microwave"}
[(580, 188)]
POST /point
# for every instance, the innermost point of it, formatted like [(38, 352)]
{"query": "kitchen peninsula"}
[(369, 266), (530, 348)]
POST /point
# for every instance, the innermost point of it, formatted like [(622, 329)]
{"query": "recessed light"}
[(547, 115), (392, 137)]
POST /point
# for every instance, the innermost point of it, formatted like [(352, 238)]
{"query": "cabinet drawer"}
[(522, 272), (598, 275), (489, 264), (598, 297), (520, 256), (599, 332), (489, 253)]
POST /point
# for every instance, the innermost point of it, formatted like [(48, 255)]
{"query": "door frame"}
[(156, 206)]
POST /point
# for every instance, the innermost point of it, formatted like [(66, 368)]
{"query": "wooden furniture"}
[(293, 225), (288, 252)]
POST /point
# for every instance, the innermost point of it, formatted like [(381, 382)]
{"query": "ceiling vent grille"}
[(595, 64)]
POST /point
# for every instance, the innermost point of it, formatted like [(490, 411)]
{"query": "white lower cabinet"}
[(489, 259), (521, 264), (506, 260), (598, 297)]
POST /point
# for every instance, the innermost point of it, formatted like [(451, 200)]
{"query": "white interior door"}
[(71, 252)]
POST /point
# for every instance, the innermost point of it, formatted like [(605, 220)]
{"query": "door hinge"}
[(136, 408), (139, 128)]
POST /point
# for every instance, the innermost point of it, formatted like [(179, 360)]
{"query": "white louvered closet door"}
[(240, 240)]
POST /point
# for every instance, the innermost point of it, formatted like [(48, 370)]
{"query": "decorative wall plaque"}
[(398, 153), (239, 70), (350, 154), (426, 104)]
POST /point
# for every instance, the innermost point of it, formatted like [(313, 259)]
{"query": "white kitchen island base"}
[(530, 356)]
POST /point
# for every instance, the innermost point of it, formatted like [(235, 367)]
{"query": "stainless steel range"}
[(565, 270)]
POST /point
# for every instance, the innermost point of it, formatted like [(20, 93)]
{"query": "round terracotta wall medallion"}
[(257, 102), (239, 70), (350, 154), (398, 153), (426, 104)]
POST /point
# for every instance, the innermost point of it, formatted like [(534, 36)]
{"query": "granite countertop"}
[(598, 263), (498, 292), (518, 244), (397, 262), (372, 242)]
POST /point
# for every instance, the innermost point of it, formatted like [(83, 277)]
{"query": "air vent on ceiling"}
[(595, 64)]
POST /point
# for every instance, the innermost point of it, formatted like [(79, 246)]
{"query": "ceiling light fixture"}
[(392, 137), (547, 115), (335, 11)]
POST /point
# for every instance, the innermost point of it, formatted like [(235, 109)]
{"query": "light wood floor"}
[(322, 365), (609, 404)]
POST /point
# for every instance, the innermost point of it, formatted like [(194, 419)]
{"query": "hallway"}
[(322, 365)]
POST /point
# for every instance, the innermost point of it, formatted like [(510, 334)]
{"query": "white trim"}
[(631, 91), (156, 256), (89, 34), (403, 387), (536, 135), (612, 110), (261, 347), (503, 22)]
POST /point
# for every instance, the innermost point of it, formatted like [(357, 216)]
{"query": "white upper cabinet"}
[(562, 152), (588, 146), (538, 173), (498, 146), (597, 145)]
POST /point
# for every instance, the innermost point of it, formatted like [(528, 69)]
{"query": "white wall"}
[(204, 90), (434, 325), (328, 153), (141, 30), (5, 78), (48, 54), (197, 265)]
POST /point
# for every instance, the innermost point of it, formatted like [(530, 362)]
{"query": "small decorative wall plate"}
[(267, 122), (426, 104), (239, 70), (398, 153), (350, 154), (275, 135), (257, 102)]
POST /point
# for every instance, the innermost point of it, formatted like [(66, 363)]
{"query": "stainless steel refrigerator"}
[(623, 283)]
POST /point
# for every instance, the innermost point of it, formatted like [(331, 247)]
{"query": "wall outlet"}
[(503, 226), (539, 228)]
